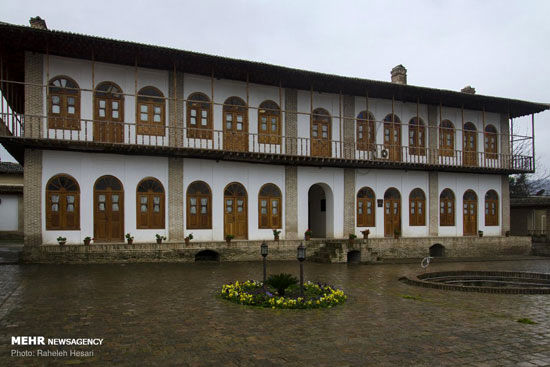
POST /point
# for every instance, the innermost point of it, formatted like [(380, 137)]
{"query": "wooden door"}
[(321, 134), (392, 212), (235, 125), (470, 214), (470, 146), (108, 114), (235, 211), (108, 210), (392, 140)]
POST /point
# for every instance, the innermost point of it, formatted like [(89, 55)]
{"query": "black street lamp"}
[(301, 257), (263, 251)]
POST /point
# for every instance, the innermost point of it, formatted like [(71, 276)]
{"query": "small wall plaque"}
[(380, 203)]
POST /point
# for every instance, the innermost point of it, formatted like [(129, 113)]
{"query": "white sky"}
[(501, 48)]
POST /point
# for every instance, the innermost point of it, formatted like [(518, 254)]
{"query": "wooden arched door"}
[(108, 209), (392, 137), (321, 133), (470, 213), (108, 113), (470, 144), (235, 125), (235, 217), (392, 212)]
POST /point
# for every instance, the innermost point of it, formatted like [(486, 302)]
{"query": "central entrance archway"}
[(320, 211)]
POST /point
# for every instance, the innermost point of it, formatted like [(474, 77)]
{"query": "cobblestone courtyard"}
[(167, 314)]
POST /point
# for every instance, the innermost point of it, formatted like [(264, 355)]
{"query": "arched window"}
[(321, 133), (392, 136), (491, 142), (108, 113), (62, 203), (150, 112), (491, 208), (446, 139), (199, 206), (417, 137), (366, 207), (269, 123), (269, 207), (447, 208), (470, 144), (63, 104), (366, 139), (199, 116), (150, 204), (417, 208), (235, 124)]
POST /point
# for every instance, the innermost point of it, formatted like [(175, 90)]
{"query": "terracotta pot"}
[(87, 242), (365, 235), (159, 241), (130, 242), (62, 243), (276, 238), (186, 241), (228, 240), (308, 237)]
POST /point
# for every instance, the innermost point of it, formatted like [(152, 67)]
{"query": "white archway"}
[(321, 210)]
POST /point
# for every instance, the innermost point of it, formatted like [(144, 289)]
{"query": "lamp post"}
[(263, 251), (301, 257)]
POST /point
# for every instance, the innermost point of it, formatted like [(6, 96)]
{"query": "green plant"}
[(281, 282), (88, 238), (159, 237), (397, 232), (129, 237), (526, 320), (276, 232), (352, 236), (190, 236), (308, 232), (229, 237), (61, 239)]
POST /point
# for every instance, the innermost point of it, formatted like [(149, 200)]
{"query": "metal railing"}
[(124, 133)]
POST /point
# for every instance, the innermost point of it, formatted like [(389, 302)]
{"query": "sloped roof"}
[(9, 167), (17, 39)]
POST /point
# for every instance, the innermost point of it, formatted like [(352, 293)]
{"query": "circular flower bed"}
[(252, 293)]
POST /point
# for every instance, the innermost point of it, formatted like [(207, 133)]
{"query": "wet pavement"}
[(168, 315)]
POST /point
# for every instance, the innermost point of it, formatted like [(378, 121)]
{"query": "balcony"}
[(18, 132)]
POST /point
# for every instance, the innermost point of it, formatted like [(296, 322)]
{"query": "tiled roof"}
[(9, 167)]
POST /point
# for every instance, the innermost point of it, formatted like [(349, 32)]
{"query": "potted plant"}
[(480, 233), (276, 234), (129, 238), (229, 237), (308, 234), (366, 233), (160, 238), (87, 240), (396, 233), (351, 237), (62, 240), (507, 233), (188, 238)]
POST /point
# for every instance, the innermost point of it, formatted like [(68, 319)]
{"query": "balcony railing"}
[(181, 137)]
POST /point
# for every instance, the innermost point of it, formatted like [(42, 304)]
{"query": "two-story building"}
[(119, 137)]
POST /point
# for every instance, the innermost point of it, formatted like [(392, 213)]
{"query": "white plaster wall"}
[(9, 213), (218, 175), (86, 168), (332, 180), (404, 181), (122, 75), (331, 103), (459, 183)]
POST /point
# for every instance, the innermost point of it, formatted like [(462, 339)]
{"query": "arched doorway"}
[(392, 212), (108, 209), (235, 127), (437, 250), (108, 113), (235, 211), (320, 211), (470, 144), (470, 213), (321, 133), (392, 137)]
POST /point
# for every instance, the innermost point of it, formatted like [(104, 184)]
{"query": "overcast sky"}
[(501, 48)]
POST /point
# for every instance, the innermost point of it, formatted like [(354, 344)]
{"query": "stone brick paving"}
[(168, 315)]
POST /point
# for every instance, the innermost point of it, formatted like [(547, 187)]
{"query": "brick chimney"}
[(468, 89), (399, 75), (38, 23)]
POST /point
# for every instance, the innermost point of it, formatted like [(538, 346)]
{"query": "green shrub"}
[(281, 282)]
